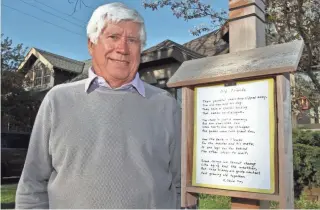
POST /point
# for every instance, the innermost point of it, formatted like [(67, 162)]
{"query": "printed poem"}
[(233, 136)]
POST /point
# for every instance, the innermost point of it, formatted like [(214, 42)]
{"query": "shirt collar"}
[(98, 81)]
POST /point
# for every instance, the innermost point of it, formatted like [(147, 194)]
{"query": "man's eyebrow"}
[(112, 32), (132, 36)]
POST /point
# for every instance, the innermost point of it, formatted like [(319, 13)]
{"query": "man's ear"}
[(90, 46)]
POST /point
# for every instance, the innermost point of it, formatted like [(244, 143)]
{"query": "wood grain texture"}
[(236, 194), (286, 190), (250, 31), (241, 3), (273, 59), (252, 9), (187, 199)]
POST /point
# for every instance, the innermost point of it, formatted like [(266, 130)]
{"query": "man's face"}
[(116, 56)]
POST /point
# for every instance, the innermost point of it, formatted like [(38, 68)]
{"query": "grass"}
[(8, 194), (301, 203), (223, 202), (214, 202)]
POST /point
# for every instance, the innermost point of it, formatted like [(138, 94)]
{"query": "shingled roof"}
[(61, 62), (167, 44), (211, 44), (84, 74)]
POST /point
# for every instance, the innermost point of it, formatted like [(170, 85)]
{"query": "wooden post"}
[(187, 199), (247, 31), (246, 24), (286, 190)]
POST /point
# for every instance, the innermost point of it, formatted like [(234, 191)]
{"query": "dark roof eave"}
[(171, 52), (167, 44), (68, 70)]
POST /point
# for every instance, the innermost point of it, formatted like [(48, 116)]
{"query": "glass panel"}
[(47, 79), (46, 71), (37, 81), (38, 73)]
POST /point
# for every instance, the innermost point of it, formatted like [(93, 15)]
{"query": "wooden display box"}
[(236, 124)]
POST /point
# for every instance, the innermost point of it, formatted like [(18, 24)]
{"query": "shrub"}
[(306, 159)]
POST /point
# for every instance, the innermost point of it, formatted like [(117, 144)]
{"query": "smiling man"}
[(111, 140)]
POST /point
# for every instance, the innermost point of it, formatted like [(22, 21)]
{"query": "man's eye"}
[(133, 40), (113, 37)]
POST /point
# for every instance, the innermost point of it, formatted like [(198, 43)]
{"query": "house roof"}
[(62, 62), (168, 44), (168, 49), (211, 44), (84, 74)]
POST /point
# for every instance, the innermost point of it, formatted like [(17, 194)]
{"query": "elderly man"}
[(111, 140)]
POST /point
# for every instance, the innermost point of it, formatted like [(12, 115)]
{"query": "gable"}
[(62, 62), (51, 61), (31, 57)]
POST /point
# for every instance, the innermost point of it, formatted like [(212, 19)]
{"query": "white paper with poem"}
[(233, 136)]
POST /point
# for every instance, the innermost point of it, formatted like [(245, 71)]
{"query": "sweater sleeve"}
[(175, 151), (32, 187)]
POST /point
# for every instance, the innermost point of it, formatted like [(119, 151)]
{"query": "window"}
[(37, 81), (42, 75), (46, 75), (46, 79), (38, 73), (38, 77)]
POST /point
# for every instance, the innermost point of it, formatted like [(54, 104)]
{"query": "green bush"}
[(306, 159)]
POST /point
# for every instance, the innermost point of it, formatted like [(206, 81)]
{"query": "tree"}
[(11, 56), (287, 20), (18, 108), (297, 19), (191, 9)]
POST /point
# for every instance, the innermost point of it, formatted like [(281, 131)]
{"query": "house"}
[(158, 63), (45, 70)]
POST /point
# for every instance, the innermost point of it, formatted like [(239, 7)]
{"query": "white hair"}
[(114, 12)]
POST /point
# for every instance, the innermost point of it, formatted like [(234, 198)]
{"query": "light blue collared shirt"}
[(94, 81)]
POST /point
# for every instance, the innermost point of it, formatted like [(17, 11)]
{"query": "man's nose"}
[(122, 46)]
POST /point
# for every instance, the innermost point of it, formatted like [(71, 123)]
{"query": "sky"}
[(50, 25)]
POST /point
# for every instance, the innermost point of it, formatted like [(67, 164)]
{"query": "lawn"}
[(8, 193), (206, 201)]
